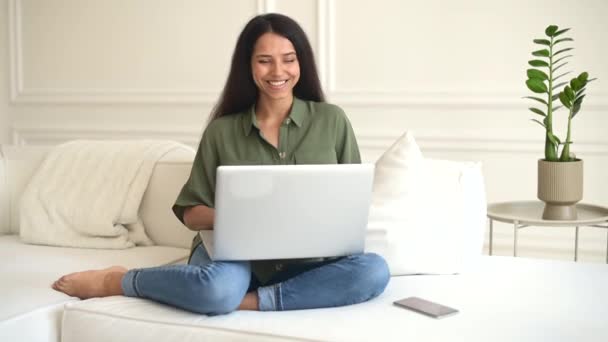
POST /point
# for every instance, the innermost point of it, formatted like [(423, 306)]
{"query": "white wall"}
[(452, 71)]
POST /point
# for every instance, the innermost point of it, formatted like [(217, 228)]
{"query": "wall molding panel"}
[(325, 24), (14, 48), (51, 135), (442, 143), (325, 39), (100, 96), (391, 98), (266, 6), (20, 94), (447, 98), (32, 134)]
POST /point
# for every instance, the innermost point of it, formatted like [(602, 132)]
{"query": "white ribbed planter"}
[(560, 186)]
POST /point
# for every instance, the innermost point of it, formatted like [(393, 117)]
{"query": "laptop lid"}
[(290, 211)]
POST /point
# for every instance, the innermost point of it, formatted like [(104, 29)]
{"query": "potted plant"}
[(560, 174)]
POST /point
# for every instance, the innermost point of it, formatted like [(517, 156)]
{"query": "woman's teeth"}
[(277, 83)]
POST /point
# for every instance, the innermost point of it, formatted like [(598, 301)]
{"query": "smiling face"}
[(275, 67)]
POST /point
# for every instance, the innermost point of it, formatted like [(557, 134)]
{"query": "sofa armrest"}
[(167, 179)]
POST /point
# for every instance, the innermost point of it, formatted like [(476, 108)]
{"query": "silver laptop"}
[(290, 211)]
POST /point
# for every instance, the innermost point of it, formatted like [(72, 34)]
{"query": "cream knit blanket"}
[(87, 194)]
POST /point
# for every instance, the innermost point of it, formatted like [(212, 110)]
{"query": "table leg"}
[(576, 245), (492, 235), (515, 238)]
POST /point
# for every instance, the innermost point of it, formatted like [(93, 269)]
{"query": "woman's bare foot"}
[(89, 284), (250, 302)]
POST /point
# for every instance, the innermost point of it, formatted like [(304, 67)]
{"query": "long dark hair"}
[(240, 92)]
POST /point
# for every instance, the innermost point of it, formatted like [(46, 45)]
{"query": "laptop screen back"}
[(291, 211)]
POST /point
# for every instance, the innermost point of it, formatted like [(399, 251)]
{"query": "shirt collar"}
[(297, 114)]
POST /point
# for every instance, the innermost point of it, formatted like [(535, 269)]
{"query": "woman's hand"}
[(199, 217)]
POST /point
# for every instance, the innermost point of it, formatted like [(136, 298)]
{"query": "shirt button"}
[(278, 267), (282, 155), (288, 121)]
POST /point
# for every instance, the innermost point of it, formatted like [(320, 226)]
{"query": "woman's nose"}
[(276, 68)]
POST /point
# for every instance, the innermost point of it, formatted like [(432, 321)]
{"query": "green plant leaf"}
[(541, 53), (550, 30), (569, 93), (560, 32), (562, 51), (564, 99), (538, 63), (563, 40), (536, 85), (560, 76), (561, 59), (542, 42), (575, 109), (540, 123), (538, 99), (580, 93), (535, 73), (583, 77), (559, 85), (555, 97), (576, 84), (537, 111)]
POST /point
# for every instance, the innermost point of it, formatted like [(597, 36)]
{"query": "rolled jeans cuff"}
[(269, 298), (128, 284)]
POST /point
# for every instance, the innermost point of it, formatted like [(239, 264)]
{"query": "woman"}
[(271, 112)]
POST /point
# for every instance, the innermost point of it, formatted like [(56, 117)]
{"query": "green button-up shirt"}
[(312, 133)]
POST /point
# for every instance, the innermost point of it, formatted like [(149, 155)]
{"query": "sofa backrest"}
[(18, 164)]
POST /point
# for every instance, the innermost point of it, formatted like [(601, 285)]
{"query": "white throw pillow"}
[(87, 194), (423, 220)]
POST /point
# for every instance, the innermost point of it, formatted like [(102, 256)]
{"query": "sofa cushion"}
[(427, 216), (498, 301), (29, 270)]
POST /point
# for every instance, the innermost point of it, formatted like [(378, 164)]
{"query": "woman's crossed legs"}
[(208, 287)]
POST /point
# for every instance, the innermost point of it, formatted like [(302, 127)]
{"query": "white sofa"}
[(499, 298), (30, 310)]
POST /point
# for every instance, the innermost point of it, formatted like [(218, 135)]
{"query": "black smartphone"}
[(426, 307)]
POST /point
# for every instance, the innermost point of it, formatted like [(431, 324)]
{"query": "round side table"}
[(529, 213)]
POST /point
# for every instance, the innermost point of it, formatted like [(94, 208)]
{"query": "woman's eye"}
[(290, 61), (263, 61)]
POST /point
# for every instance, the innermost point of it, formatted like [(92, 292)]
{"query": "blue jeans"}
[(218, 287)]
